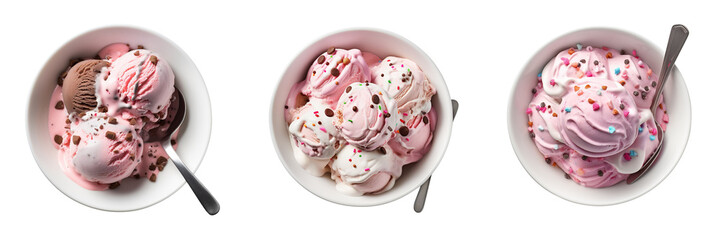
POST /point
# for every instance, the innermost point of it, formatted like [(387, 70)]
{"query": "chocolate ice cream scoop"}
[(79, 85)]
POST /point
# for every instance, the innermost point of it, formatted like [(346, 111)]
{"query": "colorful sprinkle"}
[(323, 129), (633, 153), (368, 169), (568, 109), (528, 111), (596, 107), (555, 146), (652, 137), (540, 128), (627, 156), (589, 74), (351, 121), (617, 71), (640, 129), (611, 129), (553, 82), (565, 61), (579, 46)]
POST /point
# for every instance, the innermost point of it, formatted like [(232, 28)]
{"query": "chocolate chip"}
[(59, 105), (129, 137), (622, 106), (136, 53), (584, 157), (635, 93), (548, 160), (567, 176), (390, 129), (136, 176), (382, 150), (113, 121), (321, 59), (76, 140), (543, 104), (382, 75), (151, 167), (623, 52), (58, 139), (595, 62), (583, 61), (286, 107), (534, 91), (372, 106), (161, 161), (404, 131), (133, 121), (643, 95), (653, 84), (153, 177), (114, 185), (141, 47), (355, 109), (103, 109), (645, 88), (330, 50), (329, 112), (376, 99), (154, 59), (386, 115), (533, 135), (425, 119), (626, 61), (110, 135), (172, 141), (566, 155), (600, 173), (348, 89)]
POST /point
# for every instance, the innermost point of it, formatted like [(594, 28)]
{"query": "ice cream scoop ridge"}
[(358, 172), (79, 85), (367, 116), (333, 71), (315, 136), (414, 137)]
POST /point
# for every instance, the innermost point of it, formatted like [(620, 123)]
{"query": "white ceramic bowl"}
[(192, 141), (382, 44), (552, 179)]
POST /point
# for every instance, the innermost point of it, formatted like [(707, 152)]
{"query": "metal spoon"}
[(678, 36), (206, 199), (423, 191)]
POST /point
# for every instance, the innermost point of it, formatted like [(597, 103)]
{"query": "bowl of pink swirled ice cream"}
[(582, 122), (361, 117)]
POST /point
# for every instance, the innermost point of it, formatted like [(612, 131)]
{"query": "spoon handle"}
[(679, 34), (423, 191), (206, 199)]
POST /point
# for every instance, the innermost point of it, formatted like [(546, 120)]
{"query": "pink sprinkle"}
[(553, 82), (640, 64), (538, 108), (625, 113), (368, 169), (589, 74), (405, 114), (543, 109), (401, 65), (625, 75), (354, 151), (665, 118), (528, 111), (596, 106), (627, 156), (408, 140), (350, 160), (634, 53), (323, 129), (530, 129), (654, 131), (565, 61)]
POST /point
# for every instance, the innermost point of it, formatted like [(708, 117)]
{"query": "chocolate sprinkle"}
[(110, 135), (382, 150), (129, 137), (404, 131), (59, 105), (58, 139), (330, 50), (329, 112), (355, 109), (583, 60), (425, 119), (376, 99), (113, 121), (386, 115), (76, 140), (548, 160), (321, 59), (348, 89)]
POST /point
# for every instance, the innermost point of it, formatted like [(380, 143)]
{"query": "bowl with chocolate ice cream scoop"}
[(107, 104), (583, 146), (349, 174)]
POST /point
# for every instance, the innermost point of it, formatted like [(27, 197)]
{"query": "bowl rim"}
[(345, 31), (37, 81), (677, 76)]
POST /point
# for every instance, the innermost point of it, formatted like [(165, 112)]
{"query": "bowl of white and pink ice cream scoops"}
[(361, 117), (98, 104), (580, 116)]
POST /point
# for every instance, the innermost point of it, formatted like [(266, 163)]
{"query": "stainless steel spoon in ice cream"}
[(204, 196), (678, 36)]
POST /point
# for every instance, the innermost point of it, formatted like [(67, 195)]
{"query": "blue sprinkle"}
[(579, 46), (540, 128), (539, 74), (618, 71), (568, 109), (555, 146), (652, 137), (640, 129), (598, 92), (611, 129), (633, 153)]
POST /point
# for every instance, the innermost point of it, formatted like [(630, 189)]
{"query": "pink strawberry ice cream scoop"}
[(333, 71), (590, 114), (406, 83), (113, 51), (367, 116), (414, 136), (296, 100), (359, 172), (315, 136), (103, 151), (598, 120), (140, 84)]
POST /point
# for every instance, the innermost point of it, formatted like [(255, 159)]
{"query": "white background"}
[(480, 190)]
